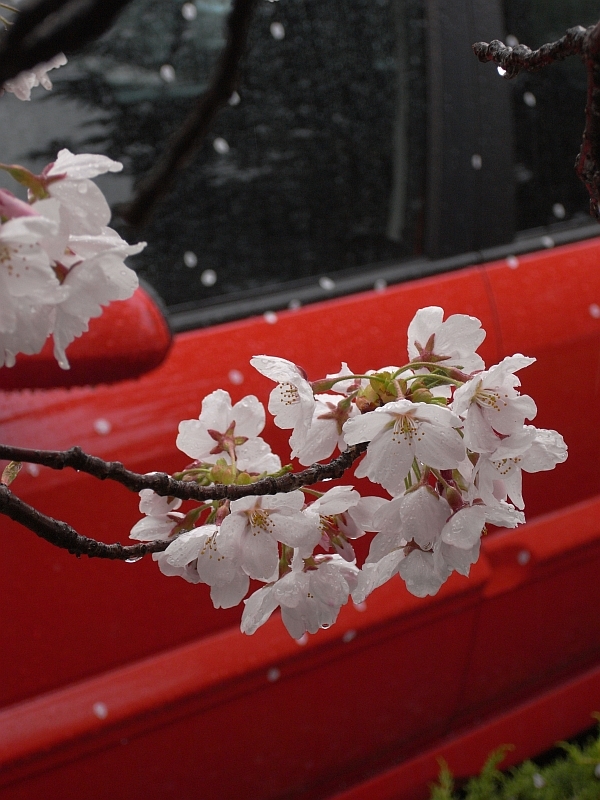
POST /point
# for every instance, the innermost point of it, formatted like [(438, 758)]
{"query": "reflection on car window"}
[(316, 166), (549, 118)]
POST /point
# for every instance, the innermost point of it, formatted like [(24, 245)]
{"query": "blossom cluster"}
[(448, 441), (59, 260)]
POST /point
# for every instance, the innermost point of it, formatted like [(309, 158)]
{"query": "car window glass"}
[(316, 166), (548, 109)]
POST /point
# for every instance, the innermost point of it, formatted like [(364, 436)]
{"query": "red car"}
[(398, 173)]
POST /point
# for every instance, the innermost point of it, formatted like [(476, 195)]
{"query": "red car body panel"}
[(188, 705)]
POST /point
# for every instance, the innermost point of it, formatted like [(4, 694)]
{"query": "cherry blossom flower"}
[(194, 556), (291, 402), (24, 82), (463, 529), (491, 404), (345, 515), (309, 598), (223, 430), (325, 433), (452, 343), (161, 517), (398, 433), (251, 532)]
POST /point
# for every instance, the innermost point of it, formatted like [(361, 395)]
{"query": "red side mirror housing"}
[(131, 338)]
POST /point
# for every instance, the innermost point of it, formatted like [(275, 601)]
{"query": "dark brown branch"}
[(187, 138), (521, 57), (64, 536), (164, 485), (577, 41), (45, 28)]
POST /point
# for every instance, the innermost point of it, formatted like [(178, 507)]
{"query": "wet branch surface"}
[(64, 536), (578, 41)]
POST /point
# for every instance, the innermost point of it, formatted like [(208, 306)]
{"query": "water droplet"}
[(100, 710), (33, 469), (208, 277), (476, 161), (547, 241), (82, 187), (360, 606), (327, 284), (102, 426), (167, 73), (221, 145), (511, 41), (190, 259), (523, 557), (559, 211), (235, 99), (270, 317), (189, 11), (529, 99), (273, 674), (348, 636), (304, 638), (512, 262), (538, 780), (294, 304), (326, 625), (594, 310), (235, 377), (277, 31), (133, 560), (380, 285), (501, 71)]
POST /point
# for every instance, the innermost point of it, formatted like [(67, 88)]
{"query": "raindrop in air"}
[(190, 259), (208, 277), (235, 377), (512, 262), (277, 31), (33, 469), (327, 284), (476, 161), (380, 285), (102, 426), (559, 211), (270, 317), (511, 41), (273, 674), (594, 310), (529, 99), (547, 241), (221, 145), (235, 99), (523, 557), (294, 304), (100, 710), (348, 636), (189, 11), (167, 73)]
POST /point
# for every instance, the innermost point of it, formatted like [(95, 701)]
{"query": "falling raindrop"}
[(348, 636), (273, 674), (529, 99), (167, 73), (294, 304), (190, 259), (189, 11), (523, 557), (538, 780), (511, 41), (208, 277), (102, 426), (100, 710), (512, 262), (476, 161), (235, 377), (277, 31), (221, 145), (270, 317), (547, 241), (327, 284), (380, 285), (594, 310), (235, 99), (597, 770), (559, 211), (33, 469)]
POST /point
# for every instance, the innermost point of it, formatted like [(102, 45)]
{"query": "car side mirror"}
[(131, 338)]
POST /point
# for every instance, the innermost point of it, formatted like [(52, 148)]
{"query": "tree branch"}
[(64, 536), (584, 42), (190, 135), (164, 485)]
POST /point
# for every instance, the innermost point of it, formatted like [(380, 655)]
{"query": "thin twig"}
[(190, 135), (164, 485), (64, 536)]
